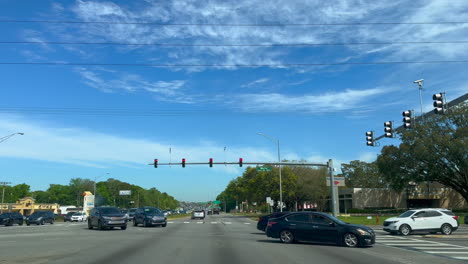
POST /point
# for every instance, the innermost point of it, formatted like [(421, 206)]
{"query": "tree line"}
[(107, 194), (433, 150)]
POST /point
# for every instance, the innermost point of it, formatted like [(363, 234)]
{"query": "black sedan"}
[(149, 216), (319, 227), (40, 218), (8, 219), (263, 220)]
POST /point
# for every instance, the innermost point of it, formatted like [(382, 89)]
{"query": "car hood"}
[(151, 215), (361, 227), (392, 219)]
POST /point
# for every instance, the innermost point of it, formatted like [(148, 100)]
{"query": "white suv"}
[(423, 220)]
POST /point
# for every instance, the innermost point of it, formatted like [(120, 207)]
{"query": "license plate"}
[(116, 222)]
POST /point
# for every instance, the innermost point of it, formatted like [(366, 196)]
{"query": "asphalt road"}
[(217, 239)]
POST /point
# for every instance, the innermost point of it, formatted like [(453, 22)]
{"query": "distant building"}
[(27, 206), (418, 196)]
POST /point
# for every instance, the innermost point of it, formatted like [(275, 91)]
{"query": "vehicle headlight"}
[(39, 218), (393, 222), (363, 232)]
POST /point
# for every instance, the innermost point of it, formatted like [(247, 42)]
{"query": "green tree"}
[(360, 174), (435, 150)]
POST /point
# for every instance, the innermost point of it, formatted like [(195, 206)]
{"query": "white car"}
[(422, 220), (80, 216)]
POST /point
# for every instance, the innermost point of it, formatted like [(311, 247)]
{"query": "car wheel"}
[(90, 226), (100, 226), (405, 230), (286, 237), (446, 229), (52, 222), (350, 240), (123, 227), (27, 224), (164, 225), (135, 223)]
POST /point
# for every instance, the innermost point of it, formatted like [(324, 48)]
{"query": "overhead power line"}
[(280, 65), (231, 24), (235, 45)]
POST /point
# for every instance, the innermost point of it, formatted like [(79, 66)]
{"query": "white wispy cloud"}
[(259, 81), (313, 103), (122, 81)]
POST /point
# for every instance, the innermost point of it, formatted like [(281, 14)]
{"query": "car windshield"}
[(406, 214), (132, 210), (38, 214), (110, 210), (77, 213), (152, 211)]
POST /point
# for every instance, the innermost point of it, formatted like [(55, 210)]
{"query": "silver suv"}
[(430, 220)]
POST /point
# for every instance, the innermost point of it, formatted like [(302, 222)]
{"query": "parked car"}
[(68, 217), (466, 219), (106, 217), (40, 218), (9, 219), (318, 227), (263, 220), (200, 214), (149, 216), (79, 216), (422, 220)]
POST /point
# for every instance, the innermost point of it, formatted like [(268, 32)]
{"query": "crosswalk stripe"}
[(444, 248), (186, 222), (228, 223), (246, 223), (460, 257), (199, 222), (410, 244), (214, 222), (170, 222)]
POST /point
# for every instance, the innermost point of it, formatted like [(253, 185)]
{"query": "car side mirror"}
[(333, 224)]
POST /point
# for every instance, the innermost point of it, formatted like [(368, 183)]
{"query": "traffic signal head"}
[(211, 162), (240, 162), (183, 163), (407, 120), (155, 163), (370, 138), (388, 129), (438, 103)]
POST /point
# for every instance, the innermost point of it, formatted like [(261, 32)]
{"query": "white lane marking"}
[(199, 222), (186, 222), (411, 244), (170, 222), (442, 248), (445, 252), (214, 222), (460, 257), (246, 223), (228, 223)]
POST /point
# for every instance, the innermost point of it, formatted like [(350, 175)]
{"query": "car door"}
[(300, 225), (325, 230), (419, 221), (137, 216), (433, 220), (95, 217)]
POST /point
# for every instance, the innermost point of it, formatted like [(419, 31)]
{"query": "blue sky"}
[(138, 113)]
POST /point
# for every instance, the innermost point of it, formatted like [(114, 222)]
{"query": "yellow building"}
[(27, 206)]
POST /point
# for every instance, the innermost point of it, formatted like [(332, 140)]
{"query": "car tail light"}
[(270, 224), (455, 217)]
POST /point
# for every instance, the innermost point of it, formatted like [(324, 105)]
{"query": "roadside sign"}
[(263, 168), (217, 202), (268, 199), (339, 181), (125, 192)]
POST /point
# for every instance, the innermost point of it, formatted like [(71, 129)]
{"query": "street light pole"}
[(279, 167), (9, 136), (420, 85), (4, 184)]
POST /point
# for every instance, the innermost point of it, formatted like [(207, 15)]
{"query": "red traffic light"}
[(155, 163), (240, 162), (211, 162), (183, 163)]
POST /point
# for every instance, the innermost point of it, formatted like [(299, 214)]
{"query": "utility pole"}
[(279, 167), (4, 184), (333, 192), (420, 85)]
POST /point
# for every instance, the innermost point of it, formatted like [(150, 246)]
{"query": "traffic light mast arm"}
[(248, 163)]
